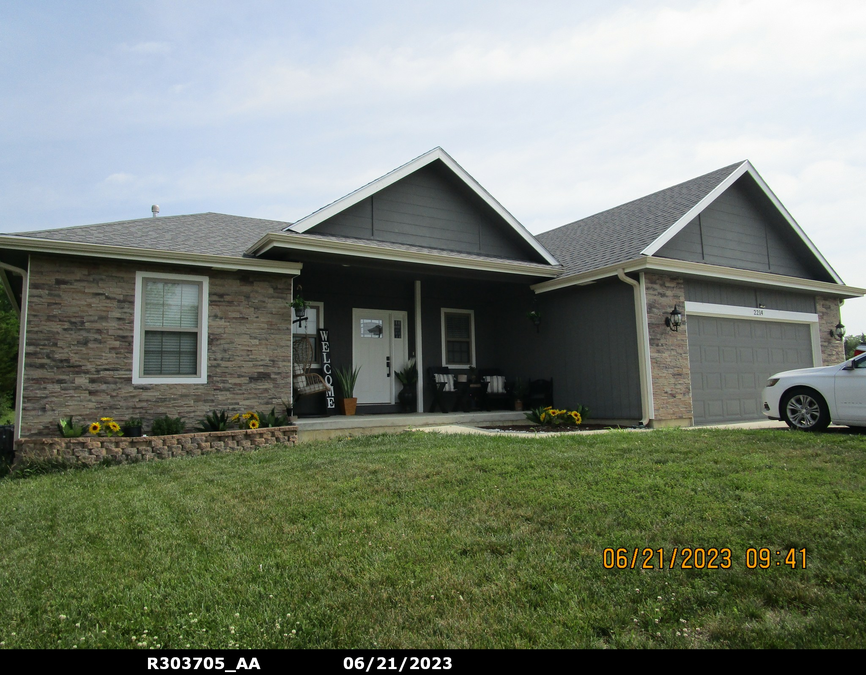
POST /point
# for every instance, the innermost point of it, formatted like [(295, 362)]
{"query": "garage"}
[(731, 359)]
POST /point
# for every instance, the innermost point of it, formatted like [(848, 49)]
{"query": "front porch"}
[(323, 428)]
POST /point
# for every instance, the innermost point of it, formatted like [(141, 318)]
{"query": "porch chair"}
[(444, 384), (304, 381), (540, 393), (498, 390)]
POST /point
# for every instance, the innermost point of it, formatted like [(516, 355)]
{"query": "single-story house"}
[(180, 315)]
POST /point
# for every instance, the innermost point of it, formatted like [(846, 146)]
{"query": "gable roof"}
[(215, 233), (436, 154), (203, 239), (641, 227)]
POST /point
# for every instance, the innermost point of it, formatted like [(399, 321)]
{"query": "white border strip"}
[(22, 344), (757, 313), (138, 337)]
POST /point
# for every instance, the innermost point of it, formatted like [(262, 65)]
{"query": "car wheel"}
[(805, 410)]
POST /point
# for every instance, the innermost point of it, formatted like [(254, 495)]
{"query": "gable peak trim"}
[(437, 153), (745, 167)]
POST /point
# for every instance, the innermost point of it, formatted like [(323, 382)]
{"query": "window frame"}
[(320, 320), (138, 376), (450, 310)]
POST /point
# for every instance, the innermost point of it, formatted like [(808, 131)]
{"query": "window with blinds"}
[(458, 337), (170, 329)]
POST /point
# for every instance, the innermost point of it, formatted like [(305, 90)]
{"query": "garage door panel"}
[(731, 360)]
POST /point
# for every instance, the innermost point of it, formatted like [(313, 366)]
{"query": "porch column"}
[(419, 362)]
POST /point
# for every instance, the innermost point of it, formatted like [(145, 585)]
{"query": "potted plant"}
[(299, 305), (535, 317), (408, 377), (521, 391), (347, 379), (132, 427)]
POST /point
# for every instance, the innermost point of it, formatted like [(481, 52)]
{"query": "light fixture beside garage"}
[(675, 320), (838, 332)]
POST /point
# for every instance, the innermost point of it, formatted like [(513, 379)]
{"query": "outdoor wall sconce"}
[(675, 320), (838, 333)]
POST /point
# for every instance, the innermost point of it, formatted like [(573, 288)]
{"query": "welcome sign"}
[(326, 369)]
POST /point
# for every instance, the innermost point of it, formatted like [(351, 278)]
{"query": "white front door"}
[(379, 347)]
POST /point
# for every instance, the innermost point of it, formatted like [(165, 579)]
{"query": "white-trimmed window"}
[(170, 341), (458, 337), (305, 336)]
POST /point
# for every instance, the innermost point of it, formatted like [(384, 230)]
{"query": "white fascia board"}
[(300, 242), (745, 167), (399, 173), (217, 262), (693, 269)]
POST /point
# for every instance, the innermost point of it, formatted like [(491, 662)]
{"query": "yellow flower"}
[(114, 426), (236, 418), (254, 424), (94, 428), (106, 419), (254, 416), (246, 416)]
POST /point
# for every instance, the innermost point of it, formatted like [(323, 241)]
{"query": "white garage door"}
[(731, 359)]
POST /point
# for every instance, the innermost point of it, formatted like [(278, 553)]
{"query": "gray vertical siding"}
[(748, 296), (587, 344), (427, 209), (742, 229)]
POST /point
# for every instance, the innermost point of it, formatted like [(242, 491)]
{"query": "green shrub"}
[(272, 419), (217, 420), (68, 429), (167, 426)]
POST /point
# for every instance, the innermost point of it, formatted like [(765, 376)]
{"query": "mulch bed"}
[(547, 430)]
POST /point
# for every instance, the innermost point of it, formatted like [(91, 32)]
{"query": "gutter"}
[(644, 365)]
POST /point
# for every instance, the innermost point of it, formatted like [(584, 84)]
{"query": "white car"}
[(810, 398)]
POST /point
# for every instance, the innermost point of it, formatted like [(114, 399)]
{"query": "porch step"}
[(322, 428)]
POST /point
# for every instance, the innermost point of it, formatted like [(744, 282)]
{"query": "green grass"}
[(421, 540)]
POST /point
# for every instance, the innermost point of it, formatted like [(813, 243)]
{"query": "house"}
[(183, 314)]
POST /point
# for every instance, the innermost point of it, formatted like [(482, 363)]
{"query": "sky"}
[(559, 109)]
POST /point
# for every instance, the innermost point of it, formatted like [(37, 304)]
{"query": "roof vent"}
[(154, 210)]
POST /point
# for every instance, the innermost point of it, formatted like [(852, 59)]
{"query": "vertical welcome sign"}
[(326, 369)]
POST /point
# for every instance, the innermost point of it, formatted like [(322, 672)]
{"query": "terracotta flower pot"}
[(347, 406)]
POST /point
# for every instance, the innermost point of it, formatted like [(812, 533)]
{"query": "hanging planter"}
[(299, 305), (535, 317)]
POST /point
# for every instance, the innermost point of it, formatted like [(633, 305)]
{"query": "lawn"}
[(422, 540)]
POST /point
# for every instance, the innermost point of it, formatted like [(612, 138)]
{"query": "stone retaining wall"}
[(92, 450)]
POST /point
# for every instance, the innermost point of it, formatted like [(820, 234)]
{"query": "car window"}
[(860, 363)]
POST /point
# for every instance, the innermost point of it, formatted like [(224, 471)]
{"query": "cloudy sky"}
[(560, 109)]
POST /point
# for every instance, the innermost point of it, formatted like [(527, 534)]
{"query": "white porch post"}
[(419, 362)]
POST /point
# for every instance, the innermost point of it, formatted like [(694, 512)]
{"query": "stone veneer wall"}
[(669, 352), (78, 359), (92, 450), (832, 350)]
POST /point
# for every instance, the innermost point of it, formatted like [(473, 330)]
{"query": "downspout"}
[(644, 368)]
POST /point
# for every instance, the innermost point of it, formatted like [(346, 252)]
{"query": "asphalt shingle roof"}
[(388, 245), (213, 233), (621, 233)]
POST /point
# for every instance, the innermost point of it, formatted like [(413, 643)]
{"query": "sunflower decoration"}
[(95, 428), (254, 424), (114, 427), (106, 420)]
